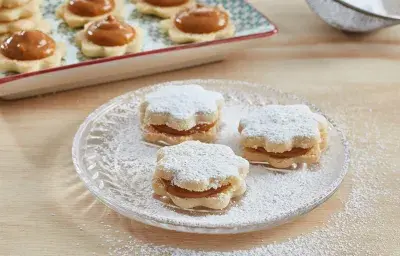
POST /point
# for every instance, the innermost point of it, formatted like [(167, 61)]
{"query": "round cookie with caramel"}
[(199, 24), (195, 174), (77, 13), (27, 51), (163, 8), (176, 113), (109, 37)]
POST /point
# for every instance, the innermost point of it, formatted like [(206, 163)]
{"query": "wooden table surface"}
[(46, 210)]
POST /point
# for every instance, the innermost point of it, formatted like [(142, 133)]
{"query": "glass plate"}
[(116, 166)]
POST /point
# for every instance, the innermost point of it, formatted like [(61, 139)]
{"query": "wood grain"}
[(44, 205)]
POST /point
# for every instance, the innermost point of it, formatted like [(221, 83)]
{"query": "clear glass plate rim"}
[(281, 219)]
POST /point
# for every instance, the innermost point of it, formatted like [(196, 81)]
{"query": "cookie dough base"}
[(181, 37), (20, 12), (153, 136), (33, 65), (34, 22), (92, 50), (217, 202), (311, 157), (162, 12)]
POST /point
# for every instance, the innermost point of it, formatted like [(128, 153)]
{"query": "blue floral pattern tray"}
[(250, 24)]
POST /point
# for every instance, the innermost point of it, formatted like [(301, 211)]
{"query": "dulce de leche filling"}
[(28, 45), (198, 128), (287, 154), (90, 8), (166, 3), (184, 193), (201, 20), (110, 32)]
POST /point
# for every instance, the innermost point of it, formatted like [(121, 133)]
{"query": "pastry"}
[(19, 12), (76, 13), (199, 24), (27, 51), (198, 174), (12, 3), (173, 114), (283, 135), (109, 37), (34, 22), (162, 8)]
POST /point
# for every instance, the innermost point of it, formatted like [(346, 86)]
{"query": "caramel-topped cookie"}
[(173, 114), (198, 24), (109, 37), (198, 174), (163, 8), (31, 50), (283, 135), (77, 13)]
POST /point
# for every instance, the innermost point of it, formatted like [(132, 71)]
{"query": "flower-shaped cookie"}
[(172, 114), (198, 174), (163, 8), (27, 51), (19, 12), (199, 24), (34, 22), (283, 135), (12, 3), (76, 13), (109, 37)]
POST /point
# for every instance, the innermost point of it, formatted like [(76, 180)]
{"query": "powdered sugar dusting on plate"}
[(371, 167), (201, 163)]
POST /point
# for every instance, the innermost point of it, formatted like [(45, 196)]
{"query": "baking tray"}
[(158, 54)]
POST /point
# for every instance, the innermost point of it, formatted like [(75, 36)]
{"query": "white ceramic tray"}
[(159, 54), (117, 166)]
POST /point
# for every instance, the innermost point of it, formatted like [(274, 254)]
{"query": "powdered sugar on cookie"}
[(280, 128), (181, 107), (199, 166)]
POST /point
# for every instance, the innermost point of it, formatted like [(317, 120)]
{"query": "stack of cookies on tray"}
[(25, 45)]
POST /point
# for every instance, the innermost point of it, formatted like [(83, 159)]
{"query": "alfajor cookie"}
[(282, 135), (195, 174), (199, 23), (176, 113), (162, 8), (109, 37), (76, 13)]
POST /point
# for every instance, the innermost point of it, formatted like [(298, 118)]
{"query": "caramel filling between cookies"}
[(166, 3), (28, 45), (295, 152), (90, 8), (201, 20), (110, 32), (184, 193), (196, 129)]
